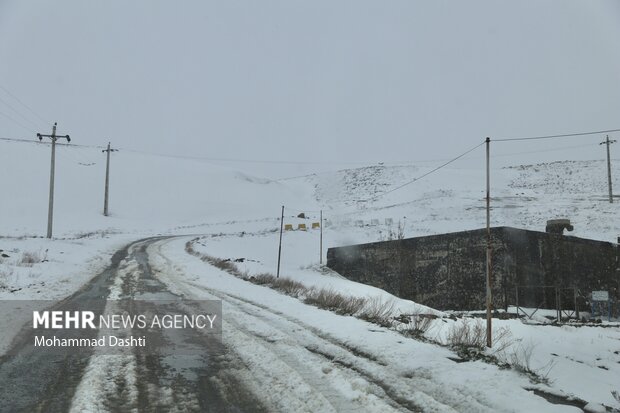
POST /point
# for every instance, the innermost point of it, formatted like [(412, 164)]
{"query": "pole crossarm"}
[(53, 136), (109, 150)]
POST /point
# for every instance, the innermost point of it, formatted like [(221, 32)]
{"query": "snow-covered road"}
[(276, 354), (93, 380), (303, 359)]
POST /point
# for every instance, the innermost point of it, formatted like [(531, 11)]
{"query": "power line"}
[(9, 117), (427, 173), (77, 158), (482, 143), (403, 163), (199, 158), (24, 105), (336, 163), (566, 135), (18, 113), (241, 160), (449, 161), (18, 140), (62, 144), (369, 163)]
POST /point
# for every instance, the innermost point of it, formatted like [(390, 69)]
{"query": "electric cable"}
[(565, 135), (7, 104), (9, 117), (426, 174), (26, 106)]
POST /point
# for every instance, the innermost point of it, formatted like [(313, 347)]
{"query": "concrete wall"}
[(539, 258), (448, 271)]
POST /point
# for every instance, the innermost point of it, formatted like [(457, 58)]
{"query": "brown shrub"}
[(378, 311), (329, 299), (468, 334), (418, 324)]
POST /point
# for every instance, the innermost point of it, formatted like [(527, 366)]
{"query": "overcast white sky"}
[(345, 81)]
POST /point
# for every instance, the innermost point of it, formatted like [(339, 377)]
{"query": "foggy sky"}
[(346, 81)]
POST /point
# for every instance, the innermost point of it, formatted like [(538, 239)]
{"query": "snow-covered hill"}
[(523, 196), (148, 193), (151, 193), (236, 214)]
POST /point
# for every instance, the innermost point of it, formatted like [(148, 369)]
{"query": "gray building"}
[(447, 271)]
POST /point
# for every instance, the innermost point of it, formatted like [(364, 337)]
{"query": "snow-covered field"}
[(236, 216)]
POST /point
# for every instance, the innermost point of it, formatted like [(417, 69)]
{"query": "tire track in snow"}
[(276, 376), (199, 382), (343, 355), (109, 382), (286, 336), (36, 381)]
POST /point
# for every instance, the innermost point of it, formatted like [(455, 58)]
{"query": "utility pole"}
[(280, 247), (489, 267), (107, 179), (321, 242), (50, 211), (608, 142)]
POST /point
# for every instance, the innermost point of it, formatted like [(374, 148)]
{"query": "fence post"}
[(576, 307), (558, 305), (517, 299)]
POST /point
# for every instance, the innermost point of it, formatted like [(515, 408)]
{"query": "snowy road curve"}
[(276, 354)]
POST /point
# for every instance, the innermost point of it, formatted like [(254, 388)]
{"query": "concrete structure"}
[(448, 271)]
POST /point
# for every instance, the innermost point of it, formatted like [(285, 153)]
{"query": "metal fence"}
[(566, 303)]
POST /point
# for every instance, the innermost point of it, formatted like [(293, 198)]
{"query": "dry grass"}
[(5, 274), (262, 279), (290, 287), (418, 324), (29, 258), (329, 299), (285, 285), (93, 234), (226, 265), (378, 311), (374, 310), (520, 360), (470, 334)]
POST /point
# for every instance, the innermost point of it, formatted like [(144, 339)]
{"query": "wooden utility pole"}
[(107, 179), (608, 142), (50, 211), (321, 242), (489, 267), (280, 246)]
